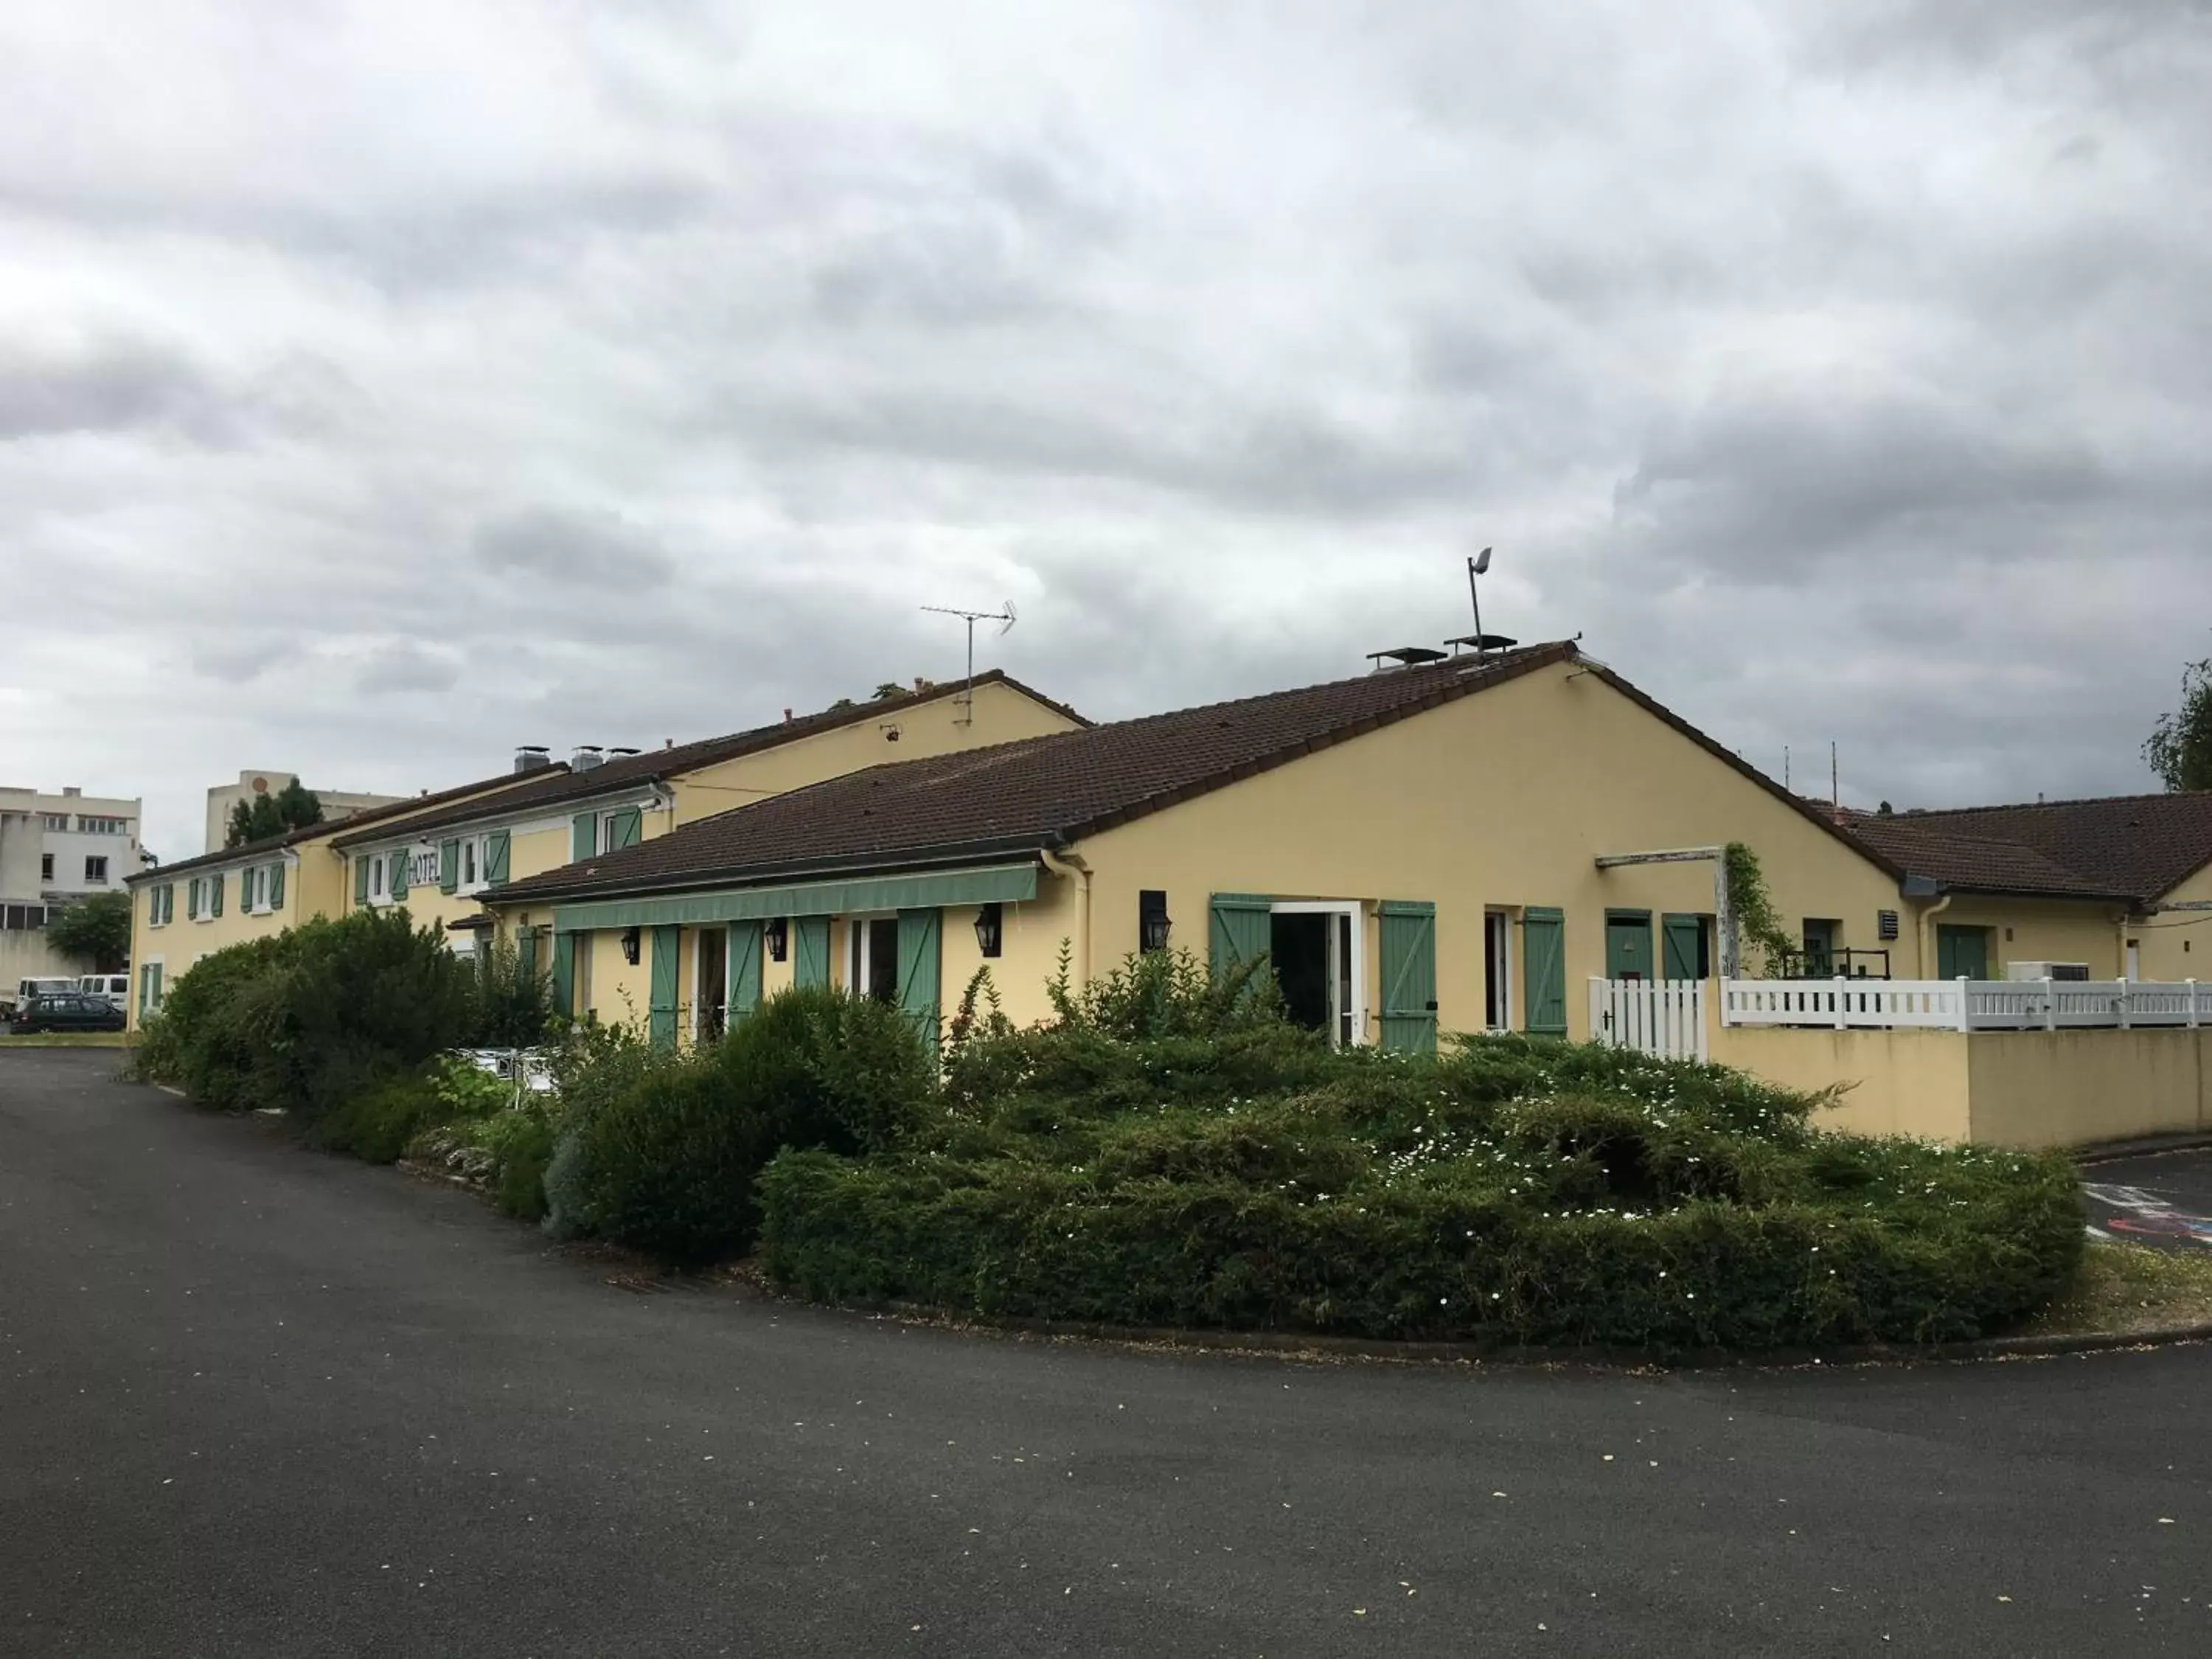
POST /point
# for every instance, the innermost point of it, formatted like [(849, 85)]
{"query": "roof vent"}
[(1404, 656), (529, 757), (619, 753), (586, 759)]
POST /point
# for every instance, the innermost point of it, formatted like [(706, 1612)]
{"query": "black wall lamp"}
[(1153, 923), (777, 934), (988, 929), (630, 946)]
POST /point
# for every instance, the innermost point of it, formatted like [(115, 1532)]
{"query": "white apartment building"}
[(260, 780), (55, 849)]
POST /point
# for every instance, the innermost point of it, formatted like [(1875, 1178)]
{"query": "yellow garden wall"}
[(1898, 1082)]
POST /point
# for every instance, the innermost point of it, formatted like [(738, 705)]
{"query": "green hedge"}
[(1518, 1192)]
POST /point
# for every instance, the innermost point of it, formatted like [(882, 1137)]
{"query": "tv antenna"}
[(1003, 618)]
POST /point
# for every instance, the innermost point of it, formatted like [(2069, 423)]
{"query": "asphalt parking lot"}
[(2161, 1198), (254, 1400)]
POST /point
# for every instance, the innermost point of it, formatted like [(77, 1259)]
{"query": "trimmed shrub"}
[(1516, 1191), (661, 1151)]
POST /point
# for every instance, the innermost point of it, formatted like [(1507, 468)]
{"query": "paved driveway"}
[(256, 1401), (2159, 1197)]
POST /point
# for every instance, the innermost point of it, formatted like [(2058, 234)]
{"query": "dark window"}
[(883, 959), (95, 868), (45, 866)]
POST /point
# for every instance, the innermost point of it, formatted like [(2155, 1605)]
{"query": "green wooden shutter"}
[(629, 826), (918, 933), (145, 989), (1544, 969), (361, 880), (395, 873), (215, 884), (495, 857), (1680, 939), (1237, 932), (744, 953), (276, 886), (564, 972), (525, 950), (1409, 977), (809, 950), (449, 866), (661, 1017), (583, 836)]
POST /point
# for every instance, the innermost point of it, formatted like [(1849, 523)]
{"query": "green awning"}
[(997, 883)]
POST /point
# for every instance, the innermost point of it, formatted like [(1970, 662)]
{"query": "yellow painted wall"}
[(2177, 943), (2035, 930), (1503, 798), (177, 946), (1901, 1083), (1002, 714), (2076, 1088)]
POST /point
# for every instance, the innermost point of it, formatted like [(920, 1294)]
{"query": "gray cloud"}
[(1839, 371)]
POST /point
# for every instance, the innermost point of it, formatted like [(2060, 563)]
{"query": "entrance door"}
[(1683, 950), (1962, 952), (1628, 944), (1298, 947)]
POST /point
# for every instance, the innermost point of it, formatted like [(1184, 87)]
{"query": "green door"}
[(1409, 977), (810, 951), (1628, 944), (661, 1017), (1682, 947), (744, 955), (918, 945), (1544, 969), (1962, 952), (564, 972), (1820, 936)]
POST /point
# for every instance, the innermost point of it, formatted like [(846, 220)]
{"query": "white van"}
[(114, 989), (27, 988)]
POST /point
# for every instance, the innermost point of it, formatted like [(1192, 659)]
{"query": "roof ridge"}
[(2037, 805)]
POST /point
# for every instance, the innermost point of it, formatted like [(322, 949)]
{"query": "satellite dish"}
[(1482, 563)]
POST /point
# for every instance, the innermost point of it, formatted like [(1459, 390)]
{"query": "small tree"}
[(292, 807), (2179, 747), (96, 930)]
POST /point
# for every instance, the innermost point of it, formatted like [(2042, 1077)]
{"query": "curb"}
[(2108, 1152), (1295, 1345)]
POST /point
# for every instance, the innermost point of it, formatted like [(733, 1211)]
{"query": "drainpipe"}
[(1071, 864), (1927, 930)]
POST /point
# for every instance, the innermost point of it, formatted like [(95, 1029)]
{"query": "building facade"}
[(54, 850)]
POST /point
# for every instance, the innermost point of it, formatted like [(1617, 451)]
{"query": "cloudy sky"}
[(385, 385)]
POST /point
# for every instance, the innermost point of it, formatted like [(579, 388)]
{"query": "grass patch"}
[(2124, 1288), (69, 1040)]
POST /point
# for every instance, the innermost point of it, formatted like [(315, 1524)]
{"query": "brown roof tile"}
[(1042, 791), (641, 770), (2144, 846), (1974, 863)]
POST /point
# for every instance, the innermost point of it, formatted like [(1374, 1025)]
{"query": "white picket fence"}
[(1666, 1018), (1967, 1004)]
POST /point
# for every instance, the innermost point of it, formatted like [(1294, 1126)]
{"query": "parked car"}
[(27, 988), (115, 989), (65, 1011)]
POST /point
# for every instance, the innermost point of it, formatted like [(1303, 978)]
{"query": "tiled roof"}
[(1040, 791), (2142, 846), (1974, 863), (346, 827), (562, 785)]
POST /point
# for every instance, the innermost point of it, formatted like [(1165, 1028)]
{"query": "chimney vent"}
[(529, 757), (620, 753), (586, 759), (787, 717)]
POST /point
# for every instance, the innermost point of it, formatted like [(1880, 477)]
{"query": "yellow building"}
[(182, 912), (446, 866), (1451, 844)]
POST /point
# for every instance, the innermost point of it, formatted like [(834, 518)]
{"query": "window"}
[(160, 901), (376, 890), (45, 866), (22, 918), (874, 958), (1822, 937), (57, 821), (472, 859), (1496, 970), (95, 868), (104, 826), (1319, 953)]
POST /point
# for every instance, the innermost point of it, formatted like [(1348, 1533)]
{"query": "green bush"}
[(324, 1014), (1513, 1191), (380, 1123), (661, 1151)]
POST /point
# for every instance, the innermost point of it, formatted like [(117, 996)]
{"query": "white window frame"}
[(252, 883), (202, 905), (858, 956), (100, 858), (1356, 910), (152, 1005), (379, 889), (1497, 964), (469, 858)]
